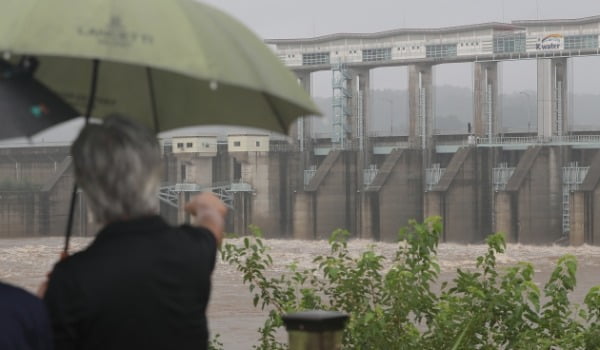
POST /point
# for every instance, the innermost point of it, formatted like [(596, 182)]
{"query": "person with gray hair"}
[(117, 165), (142, 283)]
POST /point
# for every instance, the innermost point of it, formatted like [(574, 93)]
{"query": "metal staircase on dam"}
[(500, 176), (433, 176), (169, 194), (370, 174), (309, 174), (340, 104)]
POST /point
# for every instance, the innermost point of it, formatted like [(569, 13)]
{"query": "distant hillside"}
[(454, 109)]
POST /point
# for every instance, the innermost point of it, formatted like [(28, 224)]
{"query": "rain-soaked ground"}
[(24, 262)]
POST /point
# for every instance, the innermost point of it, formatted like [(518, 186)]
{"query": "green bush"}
[(396, 308)]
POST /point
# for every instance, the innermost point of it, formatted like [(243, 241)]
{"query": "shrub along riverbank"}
[(393, 306)]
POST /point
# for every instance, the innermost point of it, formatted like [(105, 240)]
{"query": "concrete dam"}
[(538, 193), (537, 186)]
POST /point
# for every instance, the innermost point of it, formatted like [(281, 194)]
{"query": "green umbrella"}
[(167, 63)]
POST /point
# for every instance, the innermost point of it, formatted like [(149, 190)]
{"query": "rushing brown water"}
[(24, 262)]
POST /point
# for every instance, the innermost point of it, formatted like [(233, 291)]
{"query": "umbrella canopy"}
[(27, 106), (167, 63)]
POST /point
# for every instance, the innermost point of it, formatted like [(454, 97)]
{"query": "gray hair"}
[(117, 165)]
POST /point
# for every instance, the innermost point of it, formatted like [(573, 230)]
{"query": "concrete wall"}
[(578, 218), (262, 171), (529, 211), (238, 220), (334, 197), (195, 169), (55, 200), (464, 195), (537, 185), (303, 226), (585, 207), (593, 224), (433, 204), (331, 197), (485, 77), (301, 130), (420, 77), (44, 212), (30, 171), (368, 213), (552, 86), (397, 194), (17, 214), (505, 216), (32, 165), (273, 176)]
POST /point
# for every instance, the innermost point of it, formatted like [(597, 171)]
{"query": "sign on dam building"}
[(469, 43)]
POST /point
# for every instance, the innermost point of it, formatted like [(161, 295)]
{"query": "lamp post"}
[(315, 329)]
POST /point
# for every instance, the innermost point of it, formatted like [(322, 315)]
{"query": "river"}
[(24, 262)]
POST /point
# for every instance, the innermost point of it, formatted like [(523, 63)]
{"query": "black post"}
[(315, 330), (88, 113)]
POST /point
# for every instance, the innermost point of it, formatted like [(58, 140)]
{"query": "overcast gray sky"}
[(305, 18), (292, 18)]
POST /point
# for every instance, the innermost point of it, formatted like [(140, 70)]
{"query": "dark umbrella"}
[(26, 105)]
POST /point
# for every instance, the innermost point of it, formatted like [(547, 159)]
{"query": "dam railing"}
[(537, 140)]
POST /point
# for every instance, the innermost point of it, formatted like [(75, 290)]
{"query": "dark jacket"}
[(24, 322), (141, 284)]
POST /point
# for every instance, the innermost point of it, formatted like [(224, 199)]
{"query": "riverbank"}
[(24, 262)]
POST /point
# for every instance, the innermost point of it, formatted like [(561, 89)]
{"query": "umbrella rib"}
[(92, 96), (88, 113), (152, 99)]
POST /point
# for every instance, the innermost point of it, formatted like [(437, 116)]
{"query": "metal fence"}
[(370, 174), (501, 176), (433, 176), (574, 139), (309, 174), (169, 193)]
